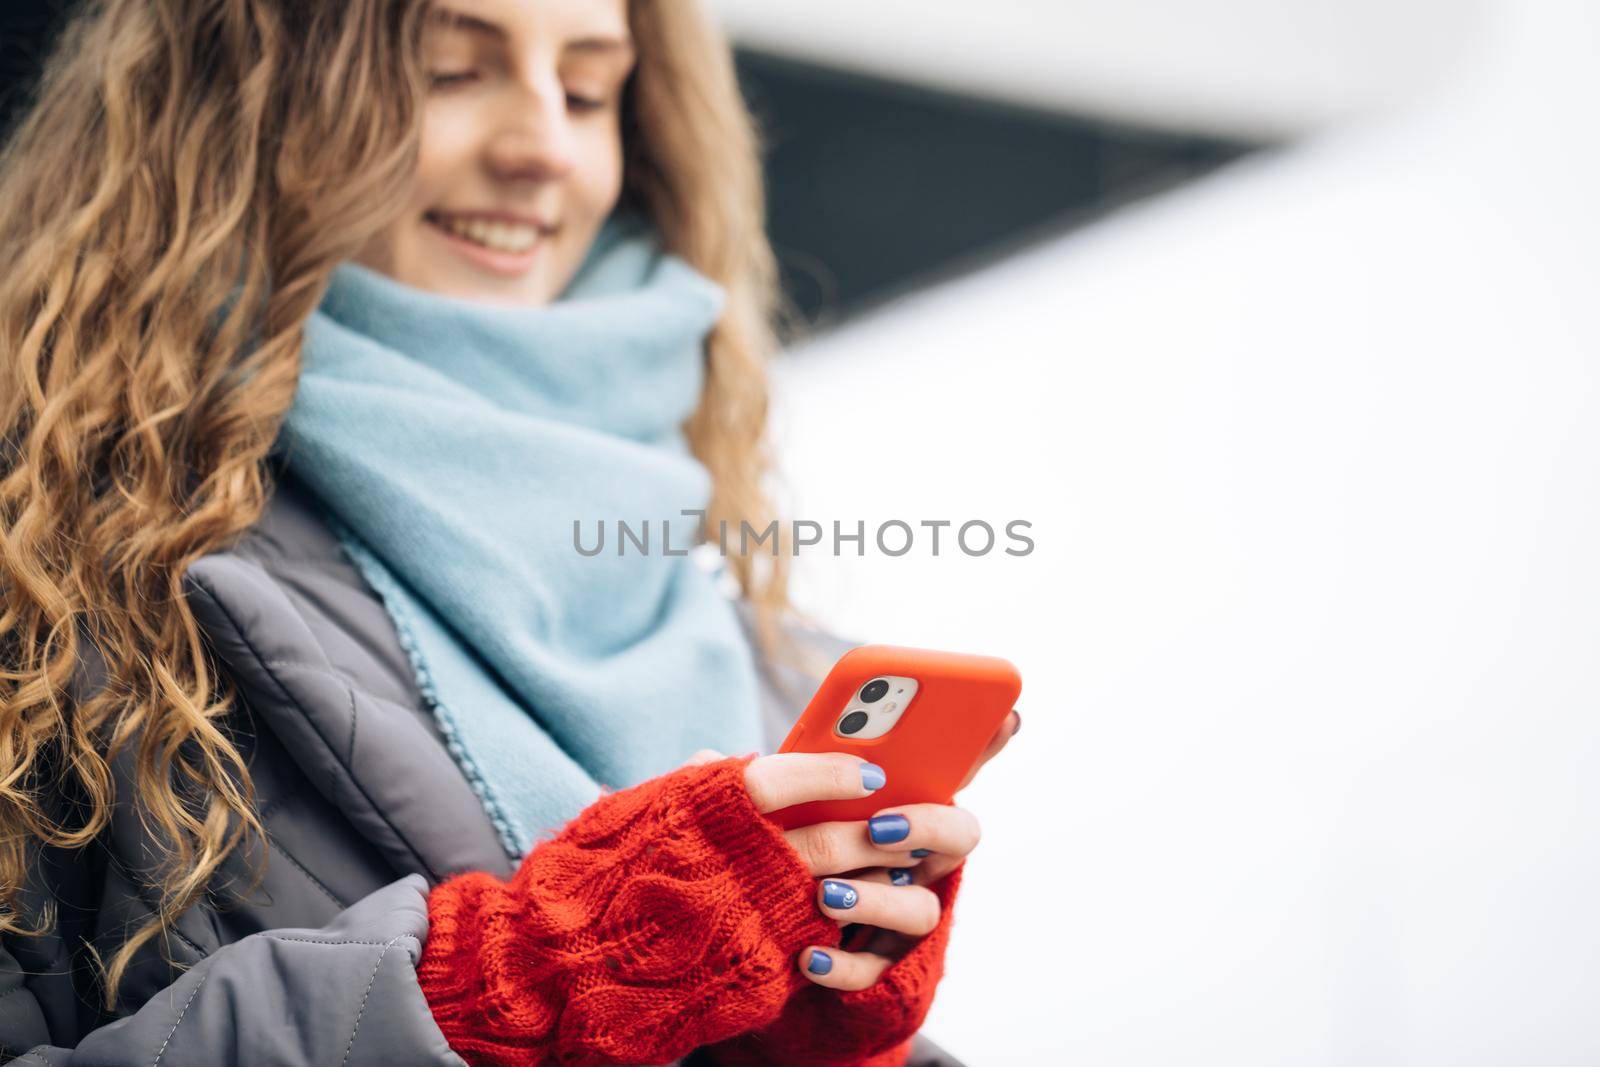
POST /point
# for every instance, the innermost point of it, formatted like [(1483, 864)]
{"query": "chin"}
[(529, 292)]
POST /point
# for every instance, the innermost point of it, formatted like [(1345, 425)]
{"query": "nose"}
[(533, 140)]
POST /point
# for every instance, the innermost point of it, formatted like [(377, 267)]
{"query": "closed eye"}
[(444, 78), (584, 103)]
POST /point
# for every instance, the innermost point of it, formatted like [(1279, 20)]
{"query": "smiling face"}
[(521, 149)]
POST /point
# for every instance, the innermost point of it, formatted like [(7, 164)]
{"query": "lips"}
[(496, 233)]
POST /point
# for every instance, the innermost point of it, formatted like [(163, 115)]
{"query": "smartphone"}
[(925, 717)]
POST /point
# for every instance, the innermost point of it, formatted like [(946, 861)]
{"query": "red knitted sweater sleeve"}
[(870, 1027), (663, 917)]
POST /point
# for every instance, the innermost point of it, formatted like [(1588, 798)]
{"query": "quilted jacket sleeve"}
[(342, 994)]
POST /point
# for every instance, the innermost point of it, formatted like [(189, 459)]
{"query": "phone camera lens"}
[(853, 723), (874, 690)]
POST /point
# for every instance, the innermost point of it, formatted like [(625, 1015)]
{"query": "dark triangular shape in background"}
[(876, 186)]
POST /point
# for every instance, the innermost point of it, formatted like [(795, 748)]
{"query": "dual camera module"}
[(875, 707)]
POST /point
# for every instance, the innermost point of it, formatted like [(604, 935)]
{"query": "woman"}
[(324, 326)]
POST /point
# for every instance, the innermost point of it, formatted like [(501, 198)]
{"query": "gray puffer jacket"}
[(364, 811)]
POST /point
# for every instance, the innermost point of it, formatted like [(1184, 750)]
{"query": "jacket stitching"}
[(351, 688), (334, 941), (162, 1051), (337, 675), (302, 664), (350, 753), (344, 679), (115, 864), (289, 696), (350, 692), (323, 668), (270, 808), (303, 869), (284, 563), (364, 997)]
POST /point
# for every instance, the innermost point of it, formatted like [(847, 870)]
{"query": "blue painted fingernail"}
[(872, 776), (820, 962), (887, 829), (918, 853), (838, 894), (899, 875)]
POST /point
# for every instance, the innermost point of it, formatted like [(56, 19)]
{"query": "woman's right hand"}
[(943, 832)]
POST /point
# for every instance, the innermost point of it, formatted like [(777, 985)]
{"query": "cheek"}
[(600, 172), (444, 157)]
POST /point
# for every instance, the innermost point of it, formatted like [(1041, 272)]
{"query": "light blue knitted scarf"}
[(455, 443)]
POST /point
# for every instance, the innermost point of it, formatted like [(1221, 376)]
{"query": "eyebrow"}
[(484, 27)]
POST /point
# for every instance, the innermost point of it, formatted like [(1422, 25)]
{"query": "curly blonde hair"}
[(187, 176)]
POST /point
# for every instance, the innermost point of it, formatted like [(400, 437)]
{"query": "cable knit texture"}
[(870, 1027), (663, 917)]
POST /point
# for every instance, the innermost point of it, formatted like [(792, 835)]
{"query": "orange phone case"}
[(960, 702)]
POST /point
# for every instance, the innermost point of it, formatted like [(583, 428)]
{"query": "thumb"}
[(705, 755)]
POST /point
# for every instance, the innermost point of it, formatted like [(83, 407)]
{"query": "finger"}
[(1008, 729), (884, 943), (920, 829), (838, 969), (923, 872), (838, 847), (705, 755), (1003, 735), (907, 909), (788, 778)]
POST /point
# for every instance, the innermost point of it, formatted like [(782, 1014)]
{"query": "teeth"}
[(498, 236)]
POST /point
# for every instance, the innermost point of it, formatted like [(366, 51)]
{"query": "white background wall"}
[(1242, 67), (1310, 771)]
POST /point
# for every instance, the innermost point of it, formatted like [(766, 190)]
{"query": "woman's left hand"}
[(895, 903)]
